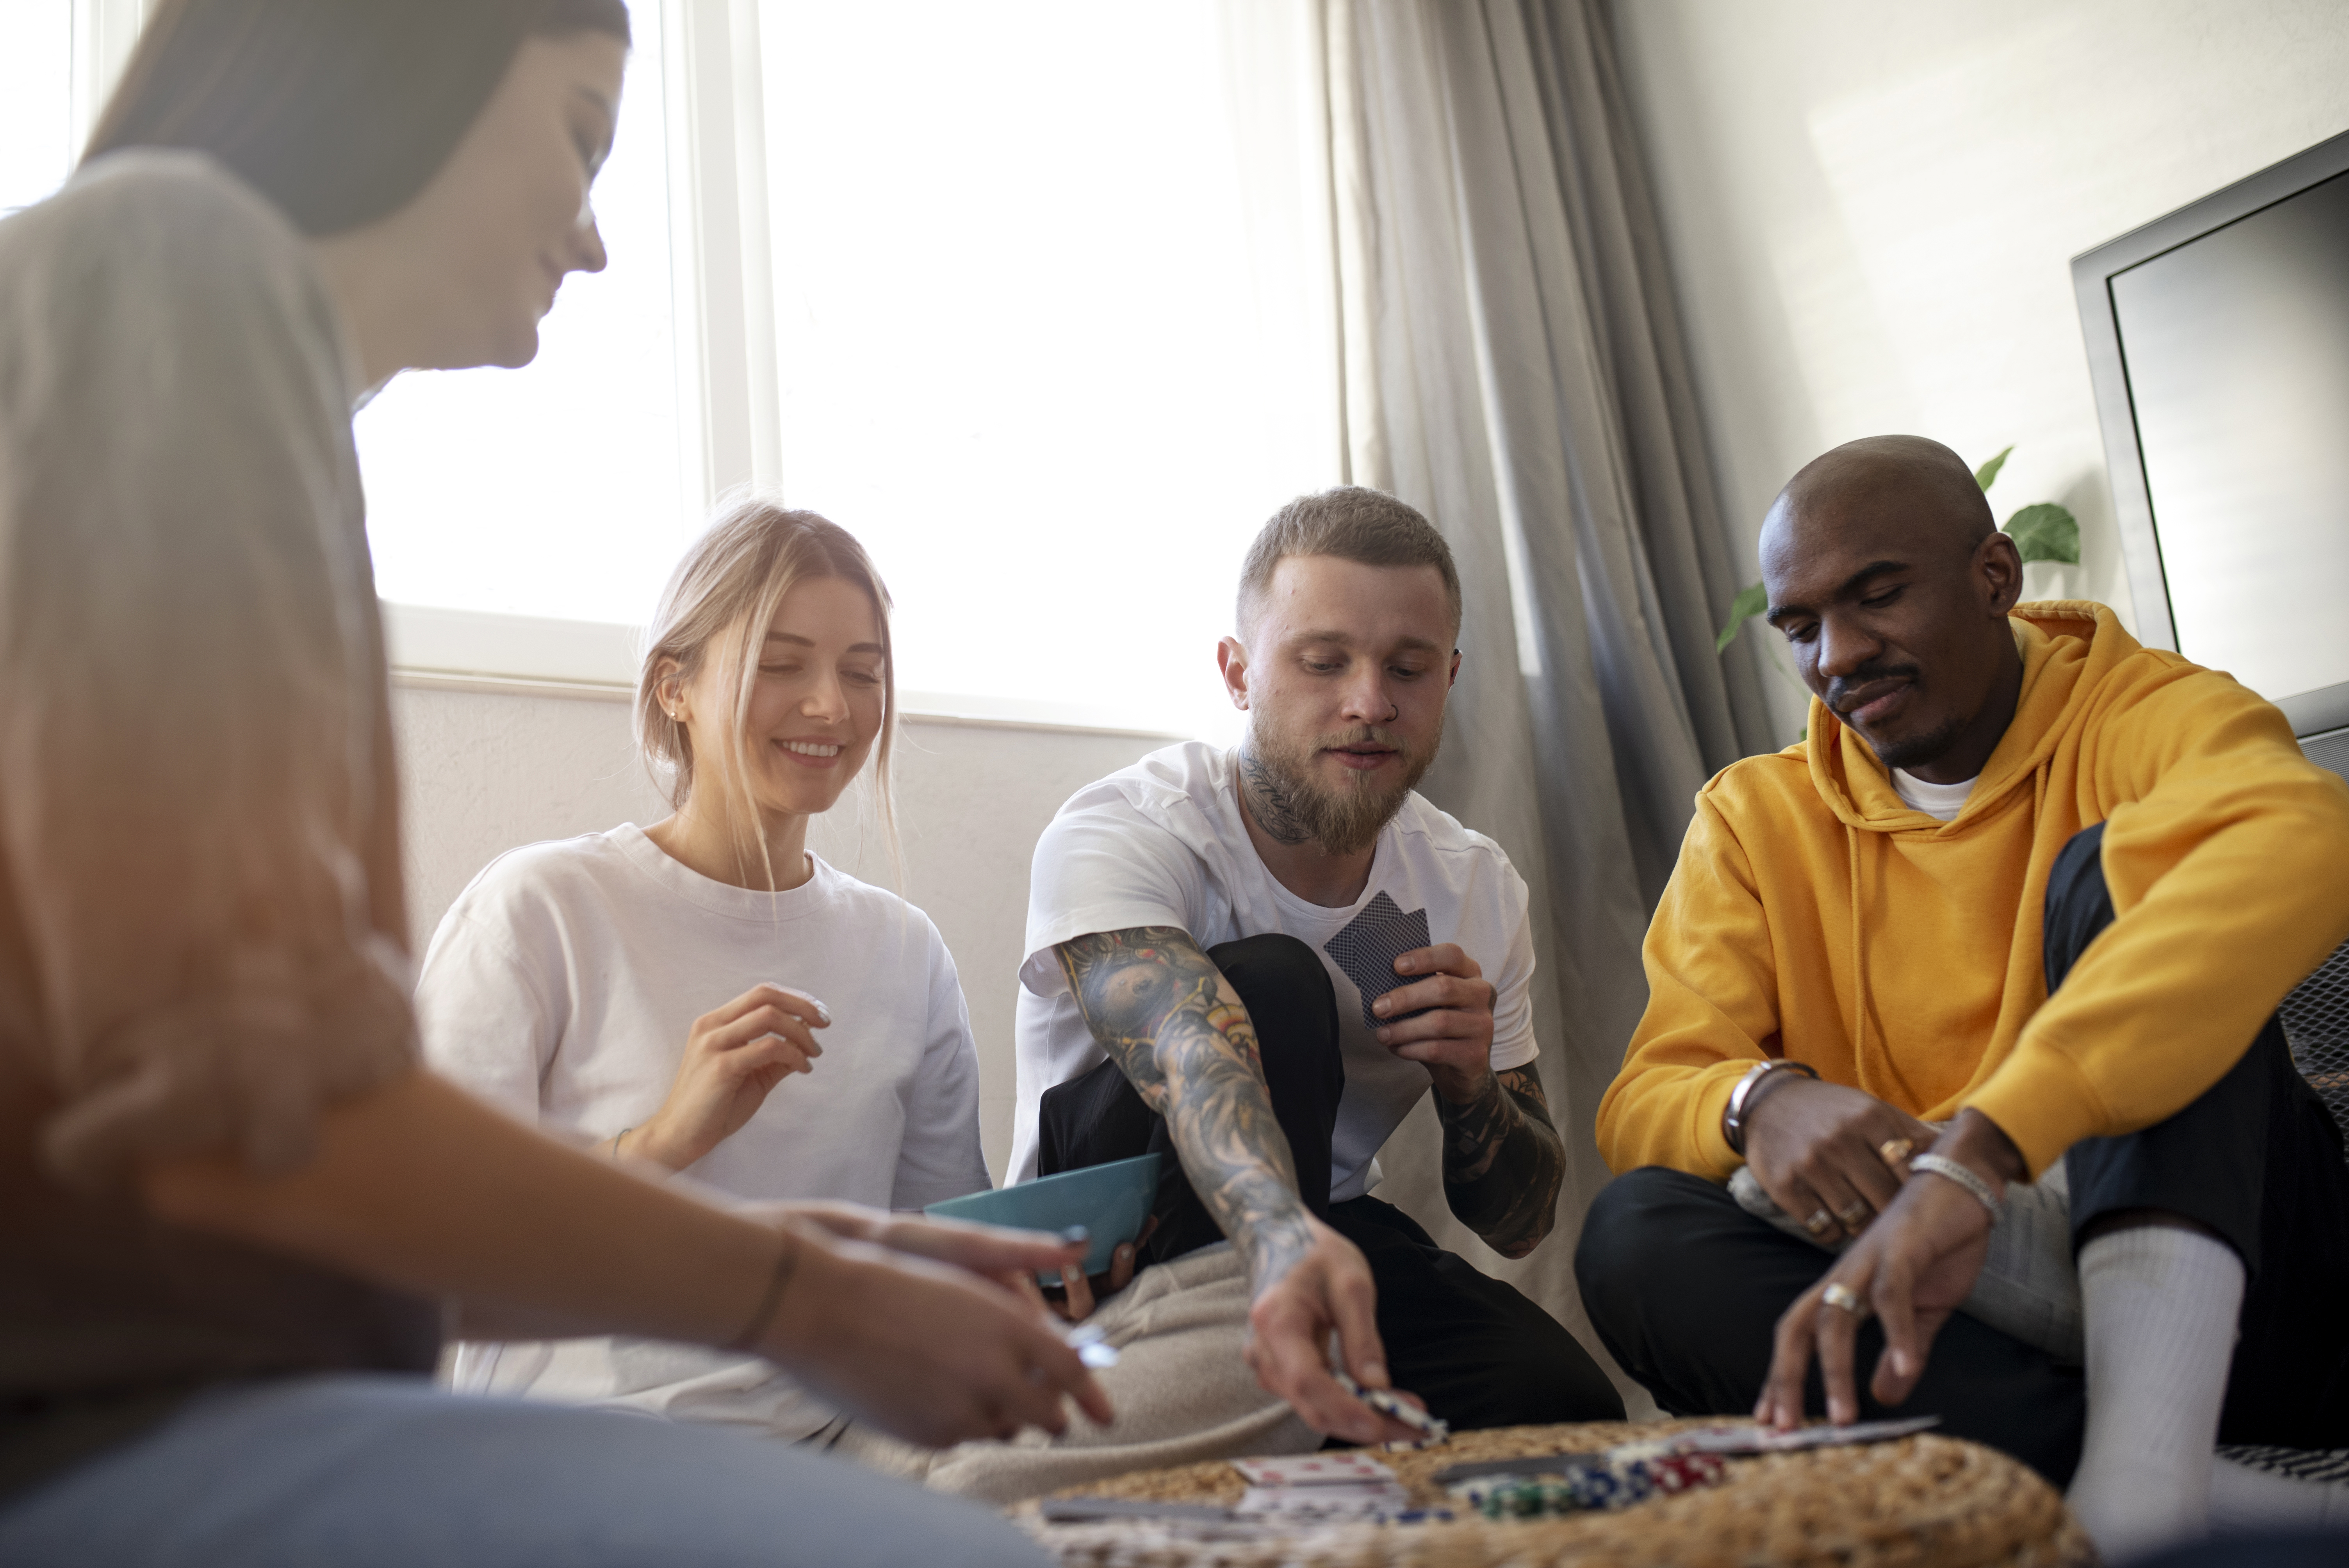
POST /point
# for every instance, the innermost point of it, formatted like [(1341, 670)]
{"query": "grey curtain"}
[(1513, 367)]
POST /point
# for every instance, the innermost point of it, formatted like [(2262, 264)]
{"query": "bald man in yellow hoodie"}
[(2019, 909)]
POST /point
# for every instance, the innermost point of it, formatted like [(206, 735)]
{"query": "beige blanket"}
[(1182, 1390)]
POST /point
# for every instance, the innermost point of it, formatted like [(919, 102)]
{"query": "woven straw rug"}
[(1917, 1503)]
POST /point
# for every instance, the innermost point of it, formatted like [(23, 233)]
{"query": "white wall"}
[(486, 770), (1872, 209)]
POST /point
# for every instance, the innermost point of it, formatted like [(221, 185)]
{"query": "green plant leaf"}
[(1987, 475), (1748, 604), (2045, 533)]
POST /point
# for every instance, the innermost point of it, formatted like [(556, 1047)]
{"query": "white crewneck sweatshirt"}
[(561, 986)]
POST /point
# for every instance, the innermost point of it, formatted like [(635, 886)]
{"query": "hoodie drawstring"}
[(1858, 950)]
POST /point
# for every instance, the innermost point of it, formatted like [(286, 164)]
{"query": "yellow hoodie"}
[(1814, 916)]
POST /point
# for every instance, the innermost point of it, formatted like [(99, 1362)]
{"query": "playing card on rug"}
[(1366, 1500), (1337, 1469), (1360, 1500), (1749, 1438)]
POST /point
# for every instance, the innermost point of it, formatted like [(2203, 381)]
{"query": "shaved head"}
[(1889, 577), (1925, 483)]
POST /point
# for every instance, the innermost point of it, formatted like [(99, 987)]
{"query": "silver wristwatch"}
[(1732, 1121)]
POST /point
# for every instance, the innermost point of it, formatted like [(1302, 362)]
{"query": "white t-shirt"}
[(1163, 843), (1941, 802), (561, 986)]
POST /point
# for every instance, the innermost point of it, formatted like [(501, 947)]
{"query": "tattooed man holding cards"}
[(1257, 962)]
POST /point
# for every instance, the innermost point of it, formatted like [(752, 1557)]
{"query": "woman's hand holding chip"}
[(930, 1351)]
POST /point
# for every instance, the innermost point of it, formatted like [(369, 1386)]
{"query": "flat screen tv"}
[(2218, 341)]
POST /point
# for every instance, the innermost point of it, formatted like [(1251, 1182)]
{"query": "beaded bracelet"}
[(1949, 1170)]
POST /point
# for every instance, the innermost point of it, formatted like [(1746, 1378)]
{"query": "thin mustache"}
[(1840, 690)]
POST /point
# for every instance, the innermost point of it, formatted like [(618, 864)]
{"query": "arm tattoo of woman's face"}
[(1503, 1163), (1173, 1026)]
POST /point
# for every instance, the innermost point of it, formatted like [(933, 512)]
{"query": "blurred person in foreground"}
[(233, 1209)]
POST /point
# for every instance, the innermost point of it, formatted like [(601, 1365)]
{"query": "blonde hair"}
[(724, 592)]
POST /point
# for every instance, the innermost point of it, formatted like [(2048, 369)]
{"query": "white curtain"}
[(1506, 357)]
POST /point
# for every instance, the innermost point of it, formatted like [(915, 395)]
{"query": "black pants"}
[(1478, 1352), (1685, 1287)]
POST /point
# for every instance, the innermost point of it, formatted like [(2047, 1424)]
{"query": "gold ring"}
[(1820, 1223), (1896, 1150), (1843, 1298), (1855, 1216)]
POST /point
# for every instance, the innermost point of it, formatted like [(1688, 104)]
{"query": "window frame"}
[(728, 390)]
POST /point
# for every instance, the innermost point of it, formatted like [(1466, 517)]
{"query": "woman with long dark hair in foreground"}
[(233, 1212)]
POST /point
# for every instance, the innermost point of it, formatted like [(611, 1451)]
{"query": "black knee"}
[(2078, 906), (1564, 1382), (1634, 1229), (1286, 991), (1279, 967), (1634, 1245)]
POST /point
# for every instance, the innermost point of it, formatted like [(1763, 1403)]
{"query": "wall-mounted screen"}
[(2219, 337)]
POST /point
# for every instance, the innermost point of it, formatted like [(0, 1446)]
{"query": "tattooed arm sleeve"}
[(1175, 1027), (1503, 1160)]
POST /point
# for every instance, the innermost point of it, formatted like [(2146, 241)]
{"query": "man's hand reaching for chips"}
[(1325, 1292), (1911, 1267)]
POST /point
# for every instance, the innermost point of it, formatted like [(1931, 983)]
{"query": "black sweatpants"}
[(1685, 1287), (1477, 1350)]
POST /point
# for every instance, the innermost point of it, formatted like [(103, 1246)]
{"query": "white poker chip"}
[(1388, 1403)]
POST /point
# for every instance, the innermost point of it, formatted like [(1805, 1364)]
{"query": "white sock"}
[(2159, 1304), (2244, 1499)]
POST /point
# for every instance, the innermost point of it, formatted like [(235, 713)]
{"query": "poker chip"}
[(1578, 1484)]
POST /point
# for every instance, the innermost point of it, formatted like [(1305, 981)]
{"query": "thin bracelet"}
[(1949, 1170), (1742, 1098), (786, 1264), (619, 1135)]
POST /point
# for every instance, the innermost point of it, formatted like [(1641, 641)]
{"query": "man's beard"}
[(1293, 807), (1918, 750)]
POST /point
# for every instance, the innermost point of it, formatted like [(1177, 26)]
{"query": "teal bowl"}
[(1109, 1200)]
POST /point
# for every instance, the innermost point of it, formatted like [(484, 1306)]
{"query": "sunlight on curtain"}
[(1020, 342), (555, 489), (35, 100)]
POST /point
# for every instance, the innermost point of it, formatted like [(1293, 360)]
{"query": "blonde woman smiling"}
[(651, 988)]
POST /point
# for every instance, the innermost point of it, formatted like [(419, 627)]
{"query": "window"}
[(1019, 340), (556, 490), (35, 100), (986, 284)]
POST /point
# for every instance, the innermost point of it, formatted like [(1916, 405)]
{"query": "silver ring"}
[(1843, 1298)]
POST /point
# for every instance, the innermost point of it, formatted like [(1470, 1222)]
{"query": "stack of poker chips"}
[(1574, 1483)]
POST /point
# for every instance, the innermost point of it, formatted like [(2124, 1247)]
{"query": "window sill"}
[(524, 655)]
